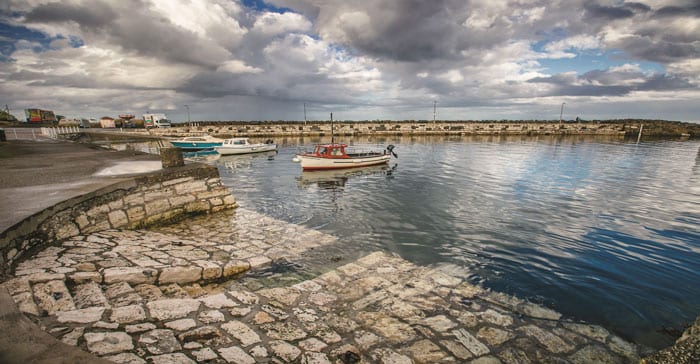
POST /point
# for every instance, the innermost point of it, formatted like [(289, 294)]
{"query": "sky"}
[(359, 59)]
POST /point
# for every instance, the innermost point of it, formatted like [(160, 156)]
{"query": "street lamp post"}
[(189, 122), (561, 113)]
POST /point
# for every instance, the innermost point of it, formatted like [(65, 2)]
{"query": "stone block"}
[(25, 303), (208, 317), (172, 308), (218, 301), (244, 334), (181, 200), (181, 325), (176, 181), (89, 294), (118, 218), (197, 206), (82, 221), (180, 274), (102, 343), (204, 354), (136, 213), (131, 275), (125, 358), (53, 296), (159, 342), (158, 194), (200, 333), (82, 316), (82, 277), (236, 355), (190, 187), (128, 314), (210, 270), (233, 268), (157, 207), (171, 157), (174, 358), (284, 350)]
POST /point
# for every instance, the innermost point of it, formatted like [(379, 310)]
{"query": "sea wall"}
[(409, 128), (167, 195)]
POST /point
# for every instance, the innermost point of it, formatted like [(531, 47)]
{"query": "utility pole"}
[(561, 113), (189, 122), (434, 112)]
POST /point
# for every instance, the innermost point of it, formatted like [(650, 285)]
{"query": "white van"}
[(163, 123)]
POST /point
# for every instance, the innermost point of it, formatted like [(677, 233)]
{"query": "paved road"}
[(36, 174)]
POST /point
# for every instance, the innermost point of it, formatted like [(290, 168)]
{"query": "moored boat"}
[(244, 146), (197, 142), (339, 156)]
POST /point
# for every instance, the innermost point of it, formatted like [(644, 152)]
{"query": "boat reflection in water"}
[(332, 179), (237, 161), (208, 155)]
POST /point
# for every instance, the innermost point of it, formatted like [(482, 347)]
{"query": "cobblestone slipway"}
[(176, 295)]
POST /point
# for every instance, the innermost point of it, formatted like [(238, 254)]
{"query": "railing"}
[(53, 133), (23, 134)]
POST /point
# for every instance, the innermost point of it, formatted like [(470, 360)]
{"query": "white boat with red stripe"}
[(339, 156)]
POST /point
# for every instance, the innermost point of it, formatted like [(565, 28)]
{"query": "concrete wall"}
[(402, 128), (141, 201)]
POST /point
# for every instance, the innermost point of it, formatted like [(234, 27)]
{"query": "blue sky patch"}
[(261, 5), (590, 59), (11, 34)]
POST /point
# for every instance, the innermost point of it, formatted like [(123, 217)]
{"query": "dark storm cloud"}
[(595, 10), (674, 11), (654, 49), (94, 16), (416, 31), (610, 83), (136, 31)]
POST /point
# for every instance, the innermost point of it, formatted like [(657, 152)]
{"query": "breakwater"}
[(410, 128)]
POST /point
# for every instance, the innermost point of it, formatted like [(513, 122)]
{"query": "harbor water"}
[(603, 230)]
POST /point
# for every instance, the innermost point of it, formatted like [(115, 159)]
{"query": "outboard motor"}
[(390, 149)]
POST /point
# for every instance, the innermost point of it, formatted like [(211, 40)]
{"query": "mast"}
[(332, 136)]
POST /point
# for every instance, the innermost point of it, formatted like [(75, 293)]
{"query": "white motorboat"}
[(244, 146), (336, 156), (197, 142)]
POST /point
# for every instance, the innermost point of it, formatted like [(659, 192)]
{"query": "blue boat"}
[(197, 142)]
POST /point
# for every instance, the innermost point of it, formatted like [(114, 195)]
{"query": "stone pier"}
[(180, 294)]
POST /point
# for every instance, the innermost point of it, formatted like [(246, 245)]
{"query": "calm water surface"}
[(601, 230)]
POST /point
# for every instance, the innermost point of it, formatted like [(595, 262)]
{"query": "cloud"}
[(388, 57)]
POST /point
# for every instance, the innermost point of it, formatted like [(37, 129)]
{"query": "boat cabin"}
[(236, 141), (330, 151)]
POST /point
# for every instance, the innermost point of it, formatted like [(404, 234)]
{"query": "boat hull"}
[(195, 145), (313, 163), (245, 149)]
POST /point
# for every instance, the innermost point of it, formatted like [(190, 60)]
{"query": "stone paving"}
[(179, 295)]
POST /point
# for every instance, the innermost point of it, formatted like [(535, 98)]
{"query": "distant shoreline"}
[(623, 128)]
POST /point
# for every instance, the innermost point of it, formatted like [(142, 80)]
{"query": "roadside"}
[(35, 175)]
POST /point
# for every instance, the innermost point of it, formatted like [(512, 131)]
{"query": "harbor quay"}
[(171, 294), (183, 279)]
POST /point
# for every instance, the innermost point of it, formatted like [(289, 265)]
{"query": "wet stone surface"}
[(189, 293)]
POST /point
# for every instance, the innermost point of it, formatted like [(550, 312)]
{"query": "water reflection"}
[(333, 179), (600, 229), (242, 161)]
